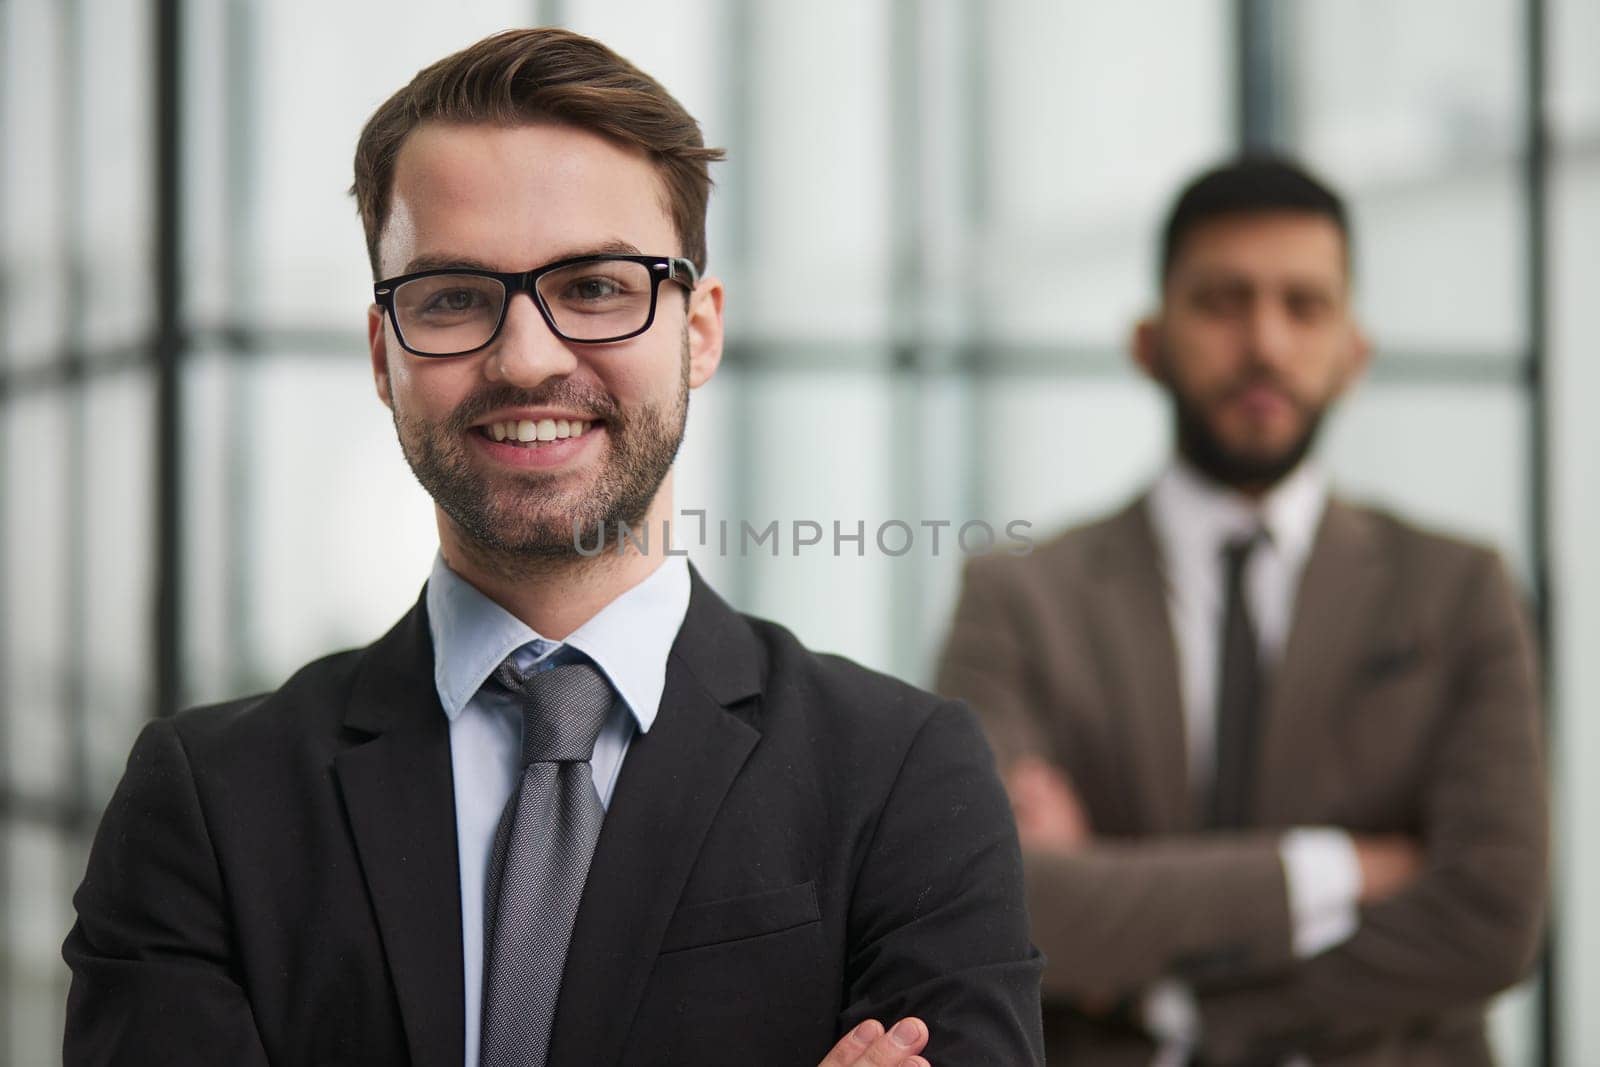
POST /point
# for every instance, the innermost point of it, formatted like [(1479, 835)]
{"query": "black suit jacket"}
[(797, 844)]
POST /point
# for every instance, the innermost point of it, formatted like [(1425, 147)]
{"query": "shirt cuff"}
[(1172, 1017), (1324, 879)]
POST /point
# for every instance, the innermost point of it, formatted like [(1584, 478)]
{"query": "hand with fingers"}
[(869, 1045), (1050, 816)]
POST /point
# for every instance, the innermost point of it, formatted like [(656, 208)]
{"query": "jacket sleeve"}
[(153, 979), (1119, 914), (1470, 925), (937, 926), (986, 663)]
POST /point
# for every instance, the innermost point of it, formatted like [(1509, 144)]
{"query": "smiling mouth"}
[(532, 433)]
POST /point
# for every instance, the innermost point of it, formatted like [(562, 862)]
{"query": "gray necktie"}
[(540, 859)]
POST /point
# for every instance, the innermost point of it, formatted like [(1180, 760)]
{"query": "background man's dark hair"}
[(1251, 185)]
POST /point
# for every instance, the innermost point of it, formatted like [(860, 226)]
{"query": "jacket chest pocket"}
[(738, 918)]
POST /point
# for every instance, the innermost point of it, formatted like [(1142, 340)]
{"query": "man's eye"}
[(594, 288), (1308, 307), (1221, 301), (455, 300)]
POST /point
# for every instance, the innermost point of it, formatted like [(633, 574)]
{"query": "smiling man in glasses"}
[(572, 809)]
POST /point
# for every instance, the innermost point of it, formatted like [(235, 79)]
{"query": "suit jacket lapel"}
[(398, 790), (1141, 667), (1338, 606), (673, 781)]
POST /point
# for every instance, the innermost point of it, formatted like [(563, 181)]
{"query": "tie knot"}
[(563, 709), (1236, 552)]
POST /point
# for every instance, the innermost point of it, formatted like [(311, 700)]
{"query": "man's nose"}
[(527, 352), (1270, 333)]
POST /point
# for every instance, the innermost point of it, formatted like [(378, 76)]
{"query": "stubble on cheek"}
[(543, 515), (525, 515)]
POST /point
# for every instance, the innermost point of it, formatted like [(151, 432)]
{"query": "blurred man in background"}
[(1273, 756), (573, 809)]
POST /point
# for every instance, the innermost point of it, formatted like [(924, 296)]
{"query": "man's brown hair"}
[(543, 75)]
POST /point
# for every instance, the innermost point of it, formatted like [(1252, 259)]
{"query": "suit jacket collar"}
[(396, 782), (1135, 642), (1339, 606)]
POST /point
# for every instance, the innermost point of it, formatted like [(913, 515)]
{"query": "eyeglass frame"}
[(662, 268)]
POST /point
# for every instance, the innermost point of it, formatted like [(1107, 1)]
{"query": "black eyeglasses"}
[(594, 300)]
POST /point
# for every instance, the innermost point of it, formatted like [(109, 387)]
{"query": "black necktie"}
[(1238, 697), (540, 860)]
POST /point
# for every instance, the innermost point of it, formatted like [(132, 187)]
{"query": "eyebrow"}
[(1293, 282), (445, 260)]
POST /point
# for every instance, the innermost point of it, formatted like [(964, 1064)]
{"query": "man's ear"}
[(1145, 347), (705, 331), (1360, 355), (378, 346)]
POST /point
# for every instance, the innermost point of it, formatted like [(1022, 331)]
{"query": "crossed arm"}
[(1165, 905)]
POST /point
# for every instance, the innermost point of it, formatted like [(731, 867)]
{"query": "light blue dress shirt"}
[(472, 635)]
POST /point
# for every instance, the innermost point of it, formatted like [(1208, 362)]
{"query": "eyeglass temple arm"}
[(678, 266)]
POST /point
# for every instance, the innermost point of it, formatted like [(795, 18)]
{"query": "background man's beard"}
[(1241, 469), (530, 518)]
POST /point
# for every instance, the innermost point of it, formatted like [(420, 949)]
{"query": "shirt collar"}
[(1194, 516), (628, 639)]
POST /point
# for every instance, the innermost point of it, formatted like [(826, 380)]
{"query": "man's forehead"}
[(1268, 246), (504, 194)]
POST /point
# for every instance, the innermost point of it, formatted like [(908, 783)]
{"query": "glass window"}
[(113, 216), (1059, 449), (1421, 135), (1451, 456), (41, 872), (36, 561), (114, 584), (1575, 487), (816, 168), (338, 536), (819, 443), (311, 95), (32, 215), (1081, 155)]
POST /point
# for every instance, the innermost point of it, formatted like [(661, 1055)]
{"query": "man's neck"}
[(554, 597)]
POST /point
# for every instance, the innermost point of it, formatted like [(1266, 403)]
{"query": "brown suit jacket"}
[(1405, 702)]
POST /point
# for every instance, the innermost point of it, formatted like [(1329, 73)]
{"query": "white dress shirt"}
[(472, 635), (1193, 520)]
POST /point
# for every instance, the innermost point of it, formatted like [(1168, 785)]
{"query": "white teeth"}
[(529, 431)]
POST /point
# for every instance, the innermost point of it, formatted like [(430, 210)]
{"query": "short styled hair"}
[(528, 76), (1250, 185)]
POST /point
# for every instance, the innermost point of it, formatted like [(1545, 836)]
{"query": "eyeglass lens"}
[(596, 300)]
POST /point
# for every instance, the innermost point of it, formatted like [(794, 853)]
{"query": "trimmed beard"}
[(1248, 471), (517, 521)]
